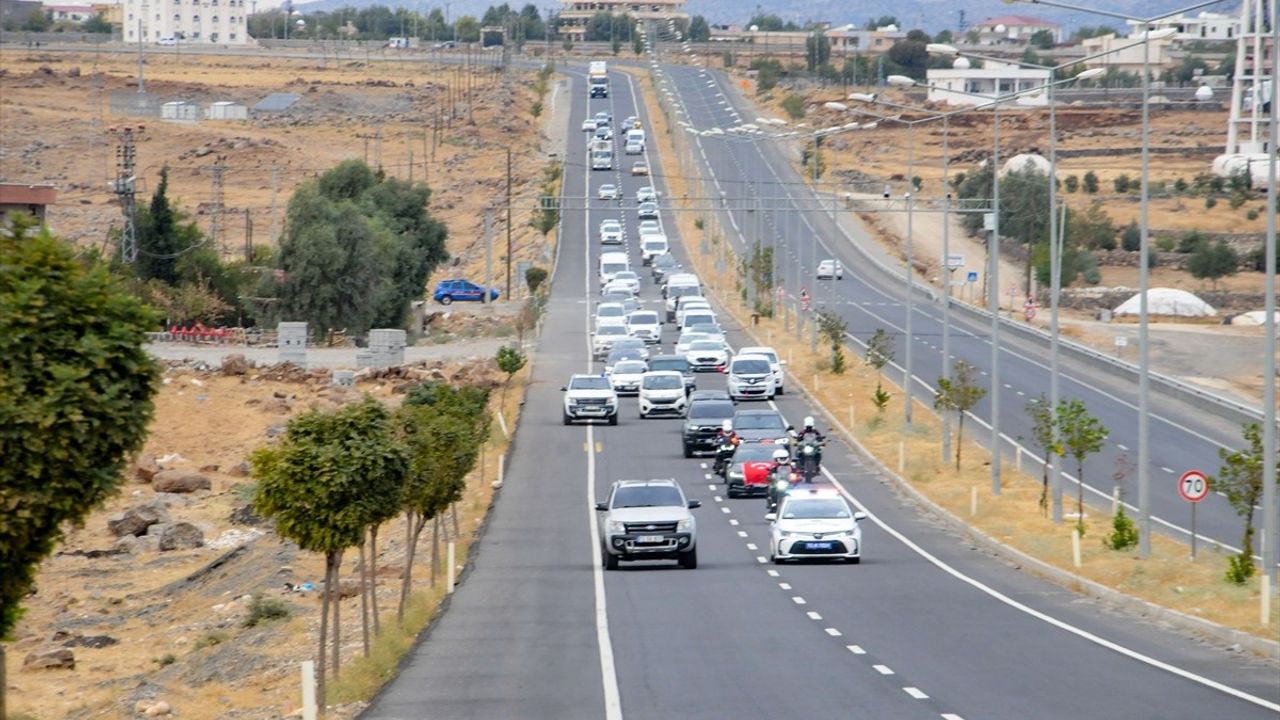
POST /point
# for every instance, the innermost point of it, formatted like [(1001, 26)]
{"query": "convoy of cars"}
[(651, 519)]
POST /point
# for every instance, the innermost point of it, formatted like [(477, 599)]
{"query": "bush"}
[(536, 109), (1072, 183), (1210, 202), (698, 223), (1238, 199), (1165, 244), (1090, 183), (1131, 237), (1124, 533), (209, 639), (1251, 215), (165, 659), (793, 104), (1192, 242), (1180, 185), (1122, 183), (534, 277), (264, 609), (1240, 568)]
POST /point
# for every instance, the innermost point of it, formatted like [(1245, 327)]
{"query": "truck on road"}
[(601, 152), (598, 77)]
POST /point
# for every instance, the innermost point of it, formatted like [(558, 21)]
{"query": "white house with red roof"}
[(1014, 29)]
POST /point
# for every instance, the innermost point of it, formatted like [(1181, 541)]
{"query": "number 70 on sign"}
[(1193, 486)]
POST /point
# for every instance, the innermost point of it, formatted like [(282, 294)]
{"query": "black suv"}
[(703, 421)]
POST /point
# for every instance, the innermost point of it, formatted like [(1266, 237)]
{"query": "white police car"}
[(815, 524)]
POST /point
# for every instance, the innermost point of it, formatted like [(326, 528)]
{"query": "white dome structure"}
[(1167, 301), (961, 63), (1020, 161), (1204, 93)]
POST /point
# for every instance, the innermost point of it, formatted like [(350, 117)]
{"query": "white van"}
[(678, 285), (635, 136), (652, 246), (612, 263)]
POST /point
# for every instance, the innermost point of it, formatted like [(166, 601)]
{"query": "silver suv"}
[(648, 520)]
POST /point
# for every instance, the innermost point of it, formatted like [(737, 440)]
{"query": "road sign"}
[(1193, 486), (1122, 341), (954, 261), (972, 276)]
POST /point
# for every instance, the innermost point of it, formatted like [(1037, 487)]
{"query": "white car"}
[(620, 287), (652, 246), (828, 269), (815, 524), (640, 168), (634, 148), (697, 317), (646, 325), (685, 340), (610, 232), (646, 194), (610, 313), (590, 397), (604, 337), (626, 375), (607, 192), (649, 227), (589, 125), (662, 393), (628, 279), (750, 377), (707, 356), (774, 362)]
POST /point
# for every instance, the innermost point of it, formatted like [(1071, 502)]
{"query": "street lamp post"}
[(910, 271)]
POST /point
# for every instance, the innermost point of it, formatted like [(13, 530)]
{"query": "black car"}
[(703, 421), (753, 425), (675, 363)]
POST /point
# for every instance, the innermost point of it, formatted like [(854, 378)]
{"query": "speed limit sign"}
[(1193, 486)]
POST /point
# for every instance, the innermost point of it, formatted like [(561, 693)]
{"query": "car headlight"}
[(784, 533), (735, 475), (783, 441), (614, 526), (684, 525)]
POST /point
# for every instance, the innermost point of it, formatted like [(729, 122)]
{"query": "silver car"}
[(648, 520)]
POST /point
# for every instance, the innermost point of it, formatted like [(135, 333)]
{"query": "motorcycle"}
[(724, 454), (783, 479), (810, 454)]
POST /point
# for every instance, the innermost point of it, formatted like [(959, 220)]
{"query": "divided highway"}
[(1182, 437), (924, 628)]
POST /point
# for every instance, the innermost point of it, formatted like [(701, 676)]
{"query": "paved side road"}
[(340, 358)]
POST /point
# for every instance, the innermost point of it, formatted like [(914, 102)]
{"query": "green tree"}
[(833, 329), (1131, 237), (699, 30), (880, 353), (1091, 229), (793, 104), (958, 394), (1042, 39), (1240, 478), (96, 24), (1091, 183), (1124, 533), (1211, 262), (161, 241), (443, 429), (1072, 183), (1024, 205), (76, 393), (817, 50), (811, 159), (909, 56), (37, 21), (881, 22), (467, 29), (771, 23), (534, 277), (510, 361), (1044, 431), (331, 476), (1081, 435), (1086, 32)]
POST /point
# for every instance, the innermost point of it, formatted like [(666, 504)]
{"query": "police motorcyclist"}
[(726, 441), (782, 478), (809, 432)]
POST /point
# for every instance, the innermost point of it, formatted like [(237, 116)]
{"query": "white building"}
[(222, 22), (964, 85), (70, 13), (1204, 26), (1014, 29), (1125, 54)]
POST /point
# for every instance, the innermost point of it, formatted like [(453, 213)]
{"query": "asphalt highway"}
[(924, 627), (1182, 437)]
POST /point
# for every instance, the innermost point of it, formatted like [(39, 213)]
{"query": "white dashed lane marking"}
[(856, 649), (883, 669), (814, 616), (752, 546), (916, 693), (798, 600), (833, 632)]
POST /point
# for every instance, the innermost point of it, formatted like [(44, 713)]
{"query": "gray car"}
[(648, 520)]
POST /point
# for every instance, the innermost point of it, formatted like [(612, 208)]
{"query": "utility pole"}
[(275, 187), (488, 252), (142, 45), (508, 222), (248, 237), (125, 187), (215, 220)]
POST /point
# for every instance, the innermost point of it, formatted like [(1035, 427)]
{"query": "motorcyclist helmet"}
[(727, 426), (808, 422), (780, 455)]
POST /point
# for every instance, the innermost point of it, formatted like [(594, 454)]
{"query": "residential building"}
[(964, 85), (112, 12), (1204, 26), (69, 13), (575, 14), (1014, 29), (1160, 53), (848, 39), (222, 22), (29, 199), (16, 12)]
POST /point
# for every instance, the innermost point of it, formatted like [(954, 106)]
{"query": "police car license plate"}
[(819, 546)]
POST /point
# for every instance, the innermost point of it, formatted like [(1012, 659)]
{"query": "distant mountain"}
[(929, 15)]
